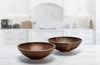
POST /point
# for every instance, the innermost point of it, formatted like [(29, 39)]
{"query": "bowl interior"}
[(36, 46), (63, 39)]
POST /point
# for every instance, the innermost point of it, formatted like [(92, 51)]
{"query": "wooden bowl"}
[(36, 50), (65, 44)]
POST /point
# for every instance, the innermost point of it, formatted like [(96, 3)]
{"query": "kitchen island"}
[(83, 55)]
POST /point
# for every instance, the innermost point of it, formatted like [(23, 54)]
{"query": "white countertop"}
[(83, 55)]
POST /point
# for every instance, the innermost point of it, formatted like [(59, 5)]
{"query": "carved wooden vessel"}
[(65, 43), (36, 50)]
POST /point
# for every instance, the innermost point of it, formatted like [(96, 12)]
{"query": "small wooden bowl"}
[(36, 50), (65, 44)]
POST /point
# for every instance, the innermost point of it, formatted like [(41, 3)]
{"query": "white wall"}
[(79, 7), (22, 6), (6, 6), (70, 6), (13, 7)]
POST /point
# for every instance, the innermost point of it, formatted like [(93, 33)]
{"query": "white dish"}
[(48, 15)]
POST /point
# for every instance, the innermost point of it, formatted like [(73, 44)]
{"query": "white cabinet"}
[(18, 36), (22, 36), (44, 35), (13, 36), (87, 35)]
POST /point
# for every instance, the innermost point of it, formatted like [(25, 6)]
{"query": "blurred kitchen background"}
[(38, 20)]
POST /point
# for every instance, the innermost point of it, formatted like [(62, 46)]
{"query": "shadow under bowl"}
[(36, 50), (65, 44)]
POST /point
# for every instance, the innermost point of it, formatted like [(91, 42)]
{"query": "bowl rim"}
[(54, 46), (64, 37)]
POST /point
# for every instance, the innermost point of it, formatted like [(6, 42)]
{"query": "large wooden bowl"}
[(36, 50), (65, 44)]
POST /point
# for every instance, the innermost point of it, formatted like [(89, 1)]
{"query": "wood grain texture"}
[(65, 44), (36, 50)]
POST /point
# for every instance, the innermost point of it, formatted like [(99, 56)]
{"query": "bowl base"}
[(64, 51), (36, 58)]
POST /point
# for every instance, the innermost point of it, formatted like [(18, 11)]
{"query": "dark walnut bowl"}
[(36, 50), (65, 44)]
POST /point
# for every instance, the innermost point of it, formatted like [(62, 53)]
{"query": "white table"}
[(83, 55)]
